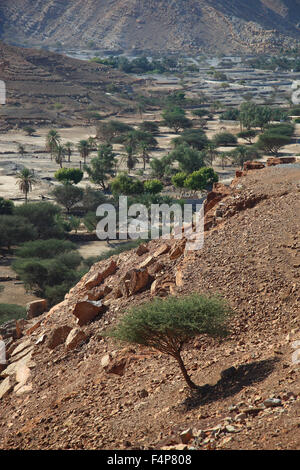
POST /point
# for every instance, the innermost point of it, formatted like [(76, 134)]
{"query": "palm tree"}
[(59, 154), (131, 159), (52, 141), (68, 149), (26, 180), (210, 152), (144, 149), (21, 149), (84, 149)]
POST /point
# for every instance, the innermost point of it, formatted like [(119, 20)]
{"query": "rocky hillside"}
[(68, 387), (43, 87), (156, 25)]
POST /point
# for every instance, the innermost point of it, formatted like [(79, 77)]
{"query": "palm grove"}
[(30, 228)]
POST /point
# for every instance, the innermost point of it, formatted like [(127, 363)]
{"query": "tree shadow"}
[(231, 383)]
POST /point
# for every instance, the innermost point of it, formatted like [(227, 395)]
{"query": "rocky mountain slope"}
[(38, 80), (154, 25), (68, 387)]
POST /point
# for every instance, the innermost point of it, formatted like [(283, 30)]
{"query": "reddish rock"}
[(36, 308), (58, 336), (177, 250), (219, 192), (141, 250), (147, 262), (253, 166), (75, 338), (86, 310), (280, 161), (162, 250), (98, 293), (99, 277), (135, 281)]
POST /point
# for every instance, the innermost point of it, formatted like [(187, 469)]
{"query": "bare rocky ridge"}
[(36, 80), (67, 387), (154, 25)]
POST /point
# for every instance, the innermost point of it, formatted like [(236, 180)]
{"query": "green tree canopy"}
[(167, 324), (67, 195), (175, 119), (102, 167), (196, 138), (69, 175)]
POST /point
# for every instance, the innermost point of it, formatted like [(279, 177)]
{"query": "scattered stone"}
[(186, 436), (87, 310), (162, 250), (147, 262), (75, 338), (142, 249), (272, 402), (58, 336), (5, 387), (99, 277), (240, 417), (230, 428), (143, 393)]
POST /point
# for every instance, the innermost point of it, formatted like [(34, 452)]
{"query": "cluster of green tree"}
[(29, 222), (141, 65), (275, 137), (275, 63), (49, 268), (197, 180), (253, 115)]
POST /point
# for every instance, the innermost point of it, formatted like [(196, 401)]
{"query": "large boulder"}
[(5, 387), (100, 276), (135, 281), (75, 338), (87, 310), (36, 308), (58, 336), (253, 166)]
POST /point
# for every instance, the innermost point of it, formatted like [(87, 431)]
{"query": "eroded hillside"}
[(155, 25), (68, 387), (43, 87)]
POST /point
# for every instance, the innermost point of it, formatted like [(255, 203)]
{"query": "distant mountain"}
[(37, 80), (228, 26)]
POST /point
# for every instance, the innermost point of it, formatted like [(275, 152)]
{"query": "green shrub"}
[(153, 186), (15, 230), (43, 216), (225, 138), (71, 175), (6, 206), (179, 179), (44, 248), (11, 312), (167, 324), (125, 185)]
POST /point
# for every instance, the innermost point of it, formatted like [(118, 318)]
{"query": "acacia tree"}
[(175, 119), (102, 167), (167, 325)]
